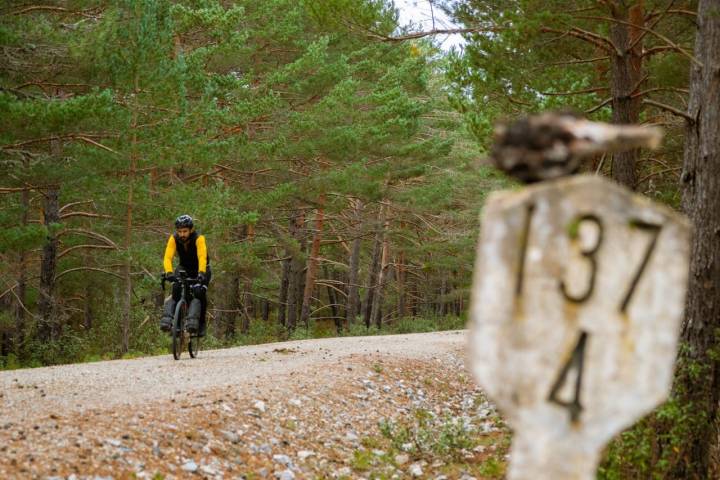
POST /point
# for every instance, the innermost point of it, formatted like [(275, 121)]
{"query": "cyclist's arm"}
[(169, 254), (201, 253)]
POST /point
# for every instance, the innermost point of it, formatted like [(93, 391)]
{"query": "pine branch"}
[(576, 92), (84, 214), (571, 62), (90, 246), (92, 269), (601, 42), (651, 31), (669, 109), (599, 106), (660, 89), (89, 233)]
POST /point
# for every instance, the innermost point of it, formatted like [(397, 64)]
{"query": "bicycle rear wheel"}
[(178, 329)]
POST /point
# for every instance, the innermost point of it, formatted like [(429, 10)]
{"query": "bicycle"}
[(180, 335)]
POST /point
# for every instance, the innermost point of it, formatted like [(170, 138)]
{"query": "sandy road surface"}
[(293, 410), (35, 392)]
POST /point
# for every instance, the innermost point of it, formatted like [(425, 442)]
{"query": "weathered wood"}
[(577, 299)]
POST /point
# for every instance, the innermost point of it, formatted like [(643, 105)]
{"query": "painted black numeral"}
[(590, 255), (576, 360), (523, 250), (654, 231)]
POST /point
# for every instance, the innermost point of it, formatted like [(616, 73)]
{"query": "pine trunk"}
[(332, 300), (296, 271), (88, 315), (626, 81), (232, 306), (49, 328), (698, 381), (402, 310), (353, 306), (312, 263), (21, 280), (127, 307), (379, 293), (374, 271), (283, 295)]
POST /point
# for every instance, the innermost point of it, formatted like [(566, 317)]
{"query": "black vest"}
[(188, 253)]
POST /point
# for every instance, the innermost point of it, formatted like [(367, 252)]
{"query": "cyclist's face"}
[(183, 233)]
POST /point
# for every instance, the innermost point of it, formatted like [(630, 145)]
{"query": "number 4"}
[(576, 360)]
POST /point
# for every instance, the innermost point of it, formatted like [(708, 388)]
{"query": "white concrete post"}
[(578, 294)]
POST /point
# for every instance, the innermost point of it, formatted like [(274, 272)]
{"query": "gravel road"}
[(292, 410), (28, 394)]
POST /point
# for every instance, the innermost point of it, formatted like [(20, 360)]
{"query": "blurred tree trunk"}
[(697, 383), (232, 306), (353, 306), (402, 310), (49, 328), (284, 283), (374, 271), (127, 307), (312, 262), (380, 289), (22, 277), (248, 304), (627, 77), (332, 299), (88, 315), (265, 310), (296, 271)]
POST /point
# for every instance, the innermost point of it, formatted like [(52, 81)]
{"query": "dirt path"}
[(289, 410)]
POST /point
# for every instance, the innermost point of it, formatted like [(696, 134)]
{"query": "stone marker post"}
[(578, 294)]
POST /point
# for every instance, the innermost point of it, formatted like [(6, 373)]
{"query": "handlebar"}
[(180, 277)]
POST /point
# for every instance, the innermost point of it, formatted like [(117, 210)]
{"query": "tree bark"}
[(379, 293), (354, 263), (283, 295), (88, 315), (127, 307), (296, 271), (697, 383), (22, 280), (626, 79), (374, 270), (232, 306), (49, 328), (312, 262), (333, 301), (402, 302)]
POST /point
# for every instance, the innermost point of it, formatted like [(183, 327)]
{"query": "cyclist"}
[(191, 249)]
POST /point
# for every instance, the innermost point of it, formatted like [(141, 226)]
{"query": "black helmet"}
[(184, 221)]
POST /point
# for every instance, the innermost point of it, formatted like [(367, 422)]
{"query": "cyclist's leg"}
[(203, 319), (169, 307)]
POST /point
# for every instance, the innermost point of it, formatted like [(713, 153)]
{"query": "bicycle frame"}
[(180, 335)]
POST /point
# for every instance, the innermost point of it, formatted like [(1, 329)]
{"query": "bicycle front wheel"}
[(194, 346), (178, 330)]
